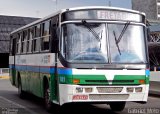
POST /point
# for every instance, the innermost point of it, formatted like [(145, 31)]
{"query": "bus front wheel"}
[(117, 106), (48, 103)]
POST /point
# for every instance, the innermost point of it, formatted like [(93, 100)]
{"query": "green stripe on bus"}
[(128, 79), (84, 79), (147, 80), (91, 79), (101, 79)]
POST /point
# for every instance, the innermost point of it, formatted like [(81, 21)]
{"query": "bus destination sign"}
[(117, 15), (110, 15)]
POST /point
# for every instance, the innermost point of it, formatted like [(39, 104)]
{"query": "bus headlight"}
[(79, 90), (130, 89), (138, 89), (88, 90)]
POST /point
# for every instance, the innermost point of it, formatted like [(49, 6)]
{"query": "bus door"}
[(54, 49), (56, 84)]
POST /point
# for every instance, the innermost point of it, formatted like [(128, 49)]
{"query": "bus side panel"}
[(33, 74), (53, 87), (20, 66), (32, 69), (41, 85), (12, 72), (38, 67)]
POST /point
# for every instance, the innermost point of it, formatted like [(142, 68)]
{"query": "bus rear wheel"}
[(20, 91), (117, 106)]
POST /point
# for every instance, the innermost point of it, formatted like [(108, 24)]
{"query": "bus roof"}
[(105, 7), (75, 9)]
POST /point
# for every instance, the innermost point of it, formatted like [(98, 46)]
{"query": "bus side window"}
[(17, 40), (45, 36), (24, 41), (36, 39), (28, 37), (13, 45), (19, 43), (31, 39), (54, 35)]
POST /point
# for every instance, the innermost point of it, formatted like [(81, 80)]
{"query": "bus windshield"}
[(83, 43), (127, 43), (88, 43)]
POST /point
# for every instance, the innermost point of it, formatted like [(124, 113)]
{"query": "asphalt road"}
[(10, 103)]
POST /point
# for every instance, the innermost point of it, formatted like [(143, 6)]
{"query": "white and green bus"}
[(83, 54)]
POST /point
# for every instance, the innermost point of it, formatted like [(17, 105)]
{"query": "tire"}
[(49, 106), (47, 101), (20, 91), (117, 106)]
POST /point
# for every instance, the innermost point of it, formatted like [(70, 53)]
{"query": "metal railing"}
[(4, 71)]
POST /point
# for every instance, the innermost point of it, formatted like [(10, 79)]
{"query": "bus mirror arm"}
[(54, 45)]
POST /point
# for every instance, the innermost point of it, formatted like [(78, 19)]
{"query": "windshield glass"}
[(127, 43), (89, 43), (84, 44)]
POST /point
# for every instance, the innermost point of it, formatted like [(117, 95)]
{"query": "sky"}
[(42, 8)]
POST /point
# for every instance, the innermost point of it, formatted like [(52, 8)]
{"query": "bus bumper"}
[(102, 94)]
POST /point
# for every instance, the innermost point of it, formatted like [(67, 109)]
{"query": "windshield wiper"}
[(122, 33), (116, 42), (120, 36), (91, 30)]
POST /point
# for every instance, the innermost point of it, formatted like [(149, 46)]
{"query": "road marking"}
[(18, 105)]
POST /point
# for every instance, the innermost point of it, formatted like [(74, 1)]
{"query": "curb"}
[(4, 77)]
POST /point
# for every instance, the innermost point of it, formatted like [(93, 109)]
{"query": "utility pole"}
[(37, 13), (110, 3), (56, 3)]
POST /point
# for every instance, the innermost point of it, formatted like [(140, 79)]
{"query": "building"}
[(152, 10), (150, 7), (7, 25)]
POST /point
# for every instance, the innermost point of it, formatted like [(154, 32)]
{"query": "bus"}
[(89, 54)]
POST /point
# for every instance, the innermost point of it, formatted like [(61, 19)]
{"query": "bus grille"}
[(108, 97), (109, 89)]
